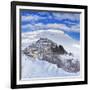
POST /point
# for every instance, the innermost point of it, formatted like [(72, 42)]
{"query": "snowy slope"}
[(34, 68), (41, 69)]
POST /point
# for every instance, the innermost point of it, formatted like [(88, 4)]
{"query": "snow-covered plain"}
[(34, 68)]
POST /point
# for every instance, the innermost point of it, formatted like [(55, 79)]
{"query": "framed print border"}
[(14, 31)]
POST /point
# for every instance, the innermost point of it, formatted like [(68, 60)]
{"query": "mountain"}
[(42, 47), (46, 49)]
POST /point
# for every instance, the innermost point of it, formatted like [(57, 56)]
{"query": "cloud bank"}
[(36, 20)]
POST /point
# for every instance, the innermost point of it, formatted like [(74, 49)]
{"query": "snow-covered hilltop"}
[(52, 47)]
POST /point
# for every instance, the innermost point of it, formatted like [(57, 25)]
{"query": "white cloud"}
[(76, 45), (75, 28), (63, 27), (54, 25), (66, 16), (30, 17), (27, 26), (58, 16)]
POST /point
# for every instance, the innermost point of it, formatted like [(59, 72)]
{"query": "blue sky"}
[(44, 20)]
